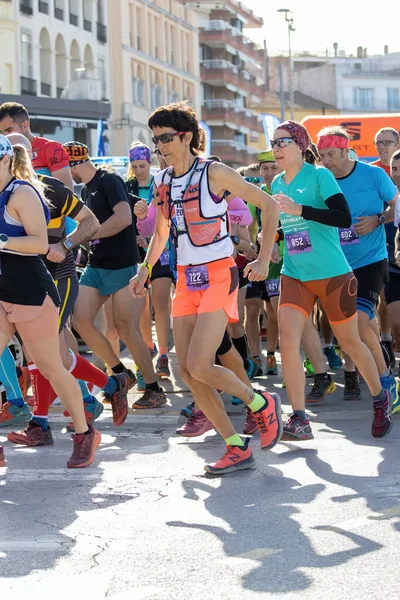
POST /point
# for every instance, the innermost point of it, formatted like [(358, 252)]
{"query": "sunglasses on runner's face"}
[(253, 180), (282, 142), (166, 138)]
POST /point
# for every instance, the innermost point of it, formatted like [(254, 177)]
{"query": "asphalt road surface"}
[(317, 519)]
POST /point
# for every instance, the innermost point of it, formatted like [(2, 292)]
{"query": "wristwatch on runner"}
[(381, 218), (68, 244), (235, 239), (3, 240)]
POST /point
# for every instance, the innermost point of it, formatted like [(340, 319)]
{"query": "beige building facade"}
[(154, 58), (55, 61)]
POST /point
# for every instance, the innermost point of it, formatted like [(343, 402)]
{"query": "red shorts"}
[(220, 283), (31, 322)]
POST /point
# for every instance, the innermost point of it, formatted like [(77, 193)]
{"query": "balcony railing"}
[(28, 86), (59, 13), (374, 106), (222, 72), (101, 33), (228, 111), (238, 146), (73, 19), (87, 25), (44, 7), (218, 33), (59, 91), (234, 153), (26, 7), (45, 89)]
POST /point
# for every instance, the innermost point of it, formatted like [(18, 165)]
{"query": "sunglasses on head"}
[(166, 138), (282, 142), (253, 180)]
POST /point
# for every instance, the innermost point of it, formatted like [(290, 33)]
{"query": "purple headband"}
[(298, 132), (140, 153)]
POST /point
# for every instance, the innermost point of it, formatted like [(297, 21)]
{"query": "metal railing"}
[(220, 25), (59, 92), (87, 25), (28, 86), (237, 145), (219, 64), (73, 19), (44, 7), (229, 104)]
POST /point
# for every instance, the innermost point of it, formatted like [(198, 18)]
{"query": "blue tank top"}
[(8, 225)]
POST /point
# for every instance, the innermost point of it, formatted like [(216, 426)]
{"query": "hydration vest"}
[(201, 230)]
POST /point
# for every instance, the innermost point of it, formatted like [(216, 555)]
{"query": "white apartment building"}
[(155, 60), (55, 61), (351, 84)]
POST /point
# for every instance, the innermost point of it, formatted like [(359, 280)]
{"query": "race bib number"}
[(298, 242), (273, 287), (164, 258), (180, 217), (348, 236), (197, 278)]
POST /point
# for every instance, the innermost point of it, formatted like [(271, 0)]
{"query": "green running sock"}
[(257, 403), (234, 440)]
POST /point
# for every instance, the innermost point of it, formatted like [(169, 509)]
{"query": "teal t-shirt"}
[(311, 250)]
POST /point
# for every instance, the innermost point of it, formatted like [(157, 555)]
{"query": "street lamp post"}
[(289, 19)]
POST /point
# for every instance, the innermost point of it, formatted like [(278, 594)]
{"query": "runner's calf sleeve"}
[(82, 369)]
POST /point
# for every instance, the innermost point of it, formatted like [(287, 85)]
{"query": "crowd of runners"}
[(299, 250)]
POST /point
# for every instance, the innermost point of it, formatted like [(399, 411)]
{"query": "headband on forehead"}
[(5, 147), (332, 141), (78, 153), (140, 153), (298, 132)]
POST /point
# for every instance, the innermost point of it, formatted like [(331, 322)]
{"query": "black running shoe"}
[(351, 386)]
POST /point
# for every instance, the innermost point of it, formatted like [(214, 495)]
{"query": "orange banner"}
[(361, 128)]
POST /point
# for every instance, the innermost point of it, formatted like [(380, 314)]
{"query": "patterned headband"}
[(298, 132), (140, 153)]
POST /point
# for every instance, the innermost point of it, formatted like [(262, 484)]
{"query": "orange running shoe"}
[(269, 421), (236, 458)]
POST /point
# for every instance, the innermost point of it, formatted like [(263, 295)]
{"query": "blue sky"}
[(350, 23)]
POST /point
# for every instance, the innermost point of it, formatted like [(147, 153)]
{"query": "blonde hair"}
[(21, 168), (130, 174)]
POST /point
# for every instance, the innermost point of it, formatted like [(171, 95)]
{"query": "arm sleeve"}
[(146, 226), (55, 156), (239, 212), (337, 215), (116, 190)]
